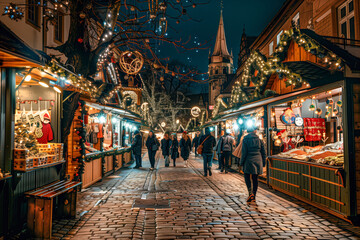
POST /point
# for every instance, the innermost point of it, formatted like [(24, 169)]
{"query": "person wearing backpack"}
[(227, 143), (152, 145), (207, 143)]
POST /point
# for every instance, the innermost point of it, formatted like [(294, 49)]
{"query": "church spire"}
[(220, 44)]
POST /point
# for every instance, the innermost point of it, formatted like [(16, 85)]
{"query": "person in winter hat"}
[(252, 160)]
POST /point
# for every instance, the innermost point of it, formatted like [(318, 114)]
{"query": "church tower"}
[(220, 64)]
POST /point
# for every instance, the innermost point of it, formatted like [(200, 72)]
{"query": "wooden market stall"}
[(99, 141), (311, 126)]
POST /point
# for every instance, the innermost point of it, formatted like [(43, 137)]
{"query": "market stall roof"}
[(352, 61), (14, 52), (314, 74), (246, 107), (119, 111)]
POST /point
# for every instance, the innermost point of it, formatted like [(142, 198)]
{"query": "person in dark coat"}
[(252, 160), (165, 148), (136, 146), (227, 144), (195, 142), (208, 143), (174, 148), (152, 145), (185, 146)]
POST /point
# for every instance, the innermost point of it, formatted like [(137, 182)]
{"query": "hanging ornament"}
[(318, 111), (277, 142), (80, 40), (335, 111), (330, 101), (327, 114), (312, 106), (82, 15), (339, 103), (131, 62)]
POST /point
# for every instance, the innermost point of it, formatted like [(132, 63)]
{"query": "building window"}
[(278, 37), (216, 71), (59, 28), (271, 48), (225, 69), (33, 13), (346, 20), (296, 20)]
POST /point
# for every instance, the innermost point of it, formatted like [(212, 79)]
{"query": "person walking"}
[(252, 160), (174, 148), (185, 146), (218, 153), (152, 145), (195, 142), (136, 146), (227, 143), (207, 142), (165, 148)]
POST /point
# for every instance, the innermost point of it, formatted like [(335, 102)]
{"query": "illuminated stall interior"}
[(309, 128)]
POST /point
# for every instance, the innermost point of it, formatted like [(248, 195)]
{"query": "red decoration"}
[(40, 98), (52, 103), (80, 40)]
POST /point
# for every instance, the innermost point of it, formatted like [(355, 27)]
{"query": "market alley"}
[(179, 203)]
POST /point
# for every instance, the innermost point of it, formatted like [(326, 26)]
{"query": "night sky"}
[(255, 15)]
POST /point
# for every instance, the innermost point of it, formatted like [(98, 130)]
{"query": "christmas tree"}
[(24, 139)]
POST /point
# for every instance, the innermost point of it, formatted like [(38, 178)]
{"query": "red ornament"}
[(80, 40), (52, 103), (40, 98)]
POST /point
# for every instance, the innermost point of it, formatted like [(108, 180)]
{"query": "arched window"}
[(216, 71), (225, 70)]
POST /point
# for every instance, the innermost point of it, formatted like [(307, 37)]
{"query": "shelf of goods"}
[(314, 175), (50, 154)]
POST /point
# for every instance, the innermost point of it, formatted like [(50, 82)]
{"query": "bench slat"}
[(60, 190), (44, 188), (53, 189)]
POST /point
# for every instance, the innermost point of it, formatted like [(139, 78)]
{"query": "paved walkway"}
[(199, 208)]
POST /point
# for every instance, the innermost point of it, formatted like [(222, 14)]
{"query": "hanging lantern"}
[(318, 111), (327, 114), (335, 111)]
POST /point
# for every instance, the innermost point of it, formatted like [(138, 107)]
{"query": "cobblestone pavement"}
[(200, 208)]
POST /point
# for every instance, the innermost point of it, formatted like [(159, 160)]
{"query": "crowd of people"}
[(249, 150)]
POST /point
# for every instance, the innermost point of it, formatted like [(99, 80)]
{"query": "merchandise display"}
[(299, 132)]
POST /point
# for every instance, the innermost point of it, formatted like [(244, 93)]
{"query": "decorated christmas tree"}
[(24, 139)]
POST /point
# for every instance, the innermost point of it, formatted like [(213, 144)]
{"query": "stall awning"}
[(14, 52), (313, 73), (121, 112)]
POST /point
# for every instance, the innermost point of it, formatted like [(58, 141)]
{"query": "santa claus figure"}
[(47, 130)]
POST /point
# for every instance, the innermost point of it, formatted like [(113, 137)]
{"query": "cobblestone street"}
[(199, 208)]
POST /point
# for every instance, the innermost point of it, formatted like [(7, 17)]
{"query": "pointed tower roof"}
[(220, 44)]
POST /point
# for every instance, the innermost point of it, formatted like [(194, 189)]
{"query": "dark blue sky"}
[(255, 15)]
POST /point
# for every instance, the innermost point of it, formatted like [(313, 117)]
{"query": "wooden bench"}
[(40, 207)]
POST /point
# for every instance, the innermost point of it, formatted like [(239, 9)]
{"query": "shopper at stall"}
[(227, 143), (195, 142), (217, 149), (252, 160), (174, 148), (165, 148), (185, 146), (152, 145), (136, 146), (207, 143)]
